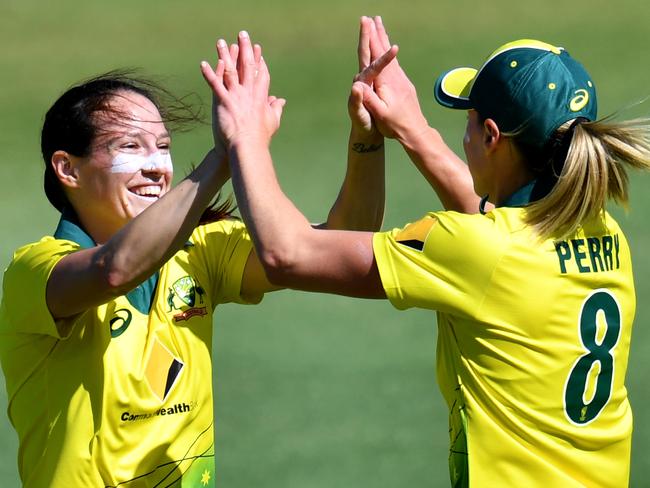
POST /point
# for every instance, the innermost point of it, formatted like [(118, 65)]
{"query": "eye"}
[(129, 145), (164, 146)]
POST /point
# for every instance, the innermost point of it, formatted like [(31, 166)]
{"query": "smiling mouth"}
[(151, 192)]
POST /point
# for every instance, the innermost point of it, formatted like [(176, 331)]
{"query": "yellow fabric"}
[(526, 43), (523, 338), (125, 395), (458, 82)]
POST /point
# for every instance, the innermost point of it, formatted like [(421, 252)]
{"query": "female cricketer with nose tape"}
[(534, 295), (106, 326)]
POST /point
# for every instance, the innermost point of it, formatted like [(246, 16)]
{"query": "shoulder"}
[(465, 243), (442, 259), (36, 255), (25, 280), (222, 229), (458, 231)]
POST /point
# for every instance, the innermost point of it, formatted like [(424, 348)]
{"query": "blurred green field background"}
[(315, 391)]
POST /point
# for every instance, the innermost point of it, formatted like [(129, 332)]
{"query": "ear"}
[(491, 134), (66, 168)]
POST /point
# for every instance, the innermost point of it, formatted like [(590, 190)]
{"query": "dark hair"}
[(70, 125)]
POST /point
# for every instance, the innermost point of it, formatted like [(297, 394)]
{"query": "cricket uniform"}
[(533, 343), (121, 394)]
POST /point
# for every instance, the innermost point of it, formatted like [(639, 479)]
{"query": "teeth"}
[(147, 191)]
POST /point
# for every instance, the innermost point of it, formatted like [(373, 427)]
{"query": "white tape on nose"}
[(132, 163)]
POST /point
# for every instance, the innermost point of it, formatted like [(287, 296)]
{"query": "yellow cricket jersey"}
[(120, 395), (533, 343)]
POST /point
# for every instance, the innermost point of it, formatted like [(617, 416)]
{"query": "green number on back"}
[(598, 354)]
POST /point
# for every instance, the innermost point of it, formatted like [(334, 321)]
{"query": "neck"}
[(100, 230), (511, 171), (504, 189)]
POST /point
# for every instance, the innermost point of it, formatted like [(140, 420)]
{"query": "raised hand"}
[(371, 62), (392, 101), (240, 84), (359, 115)]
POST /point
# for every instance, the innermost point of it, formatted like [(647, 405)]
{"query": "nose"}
[(157, 164), (153, 174)]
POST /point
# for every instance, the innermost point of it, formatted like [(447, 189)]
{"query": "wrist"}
[(213, 169), (362, 141), (417, 139), (251, 138)]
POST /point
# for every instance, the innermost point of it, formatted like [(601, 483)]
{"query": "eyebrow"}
[(137, 133)]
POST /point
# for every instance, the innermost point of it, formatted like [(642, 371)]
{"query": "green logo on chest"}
[(186, 290), (120, 322)]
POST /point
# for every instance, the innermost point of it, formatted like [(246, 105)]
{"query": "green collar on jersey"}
[(69, 228), (518, 199)]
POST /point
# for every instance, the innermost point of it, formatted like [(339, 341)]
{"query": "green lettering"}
[(617, 247), (608, 245), (563, 254), (593, 244), (579, 255), (579, 380)]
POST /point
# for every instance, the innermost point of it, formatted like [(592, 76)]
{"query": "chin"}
[(137, 207)]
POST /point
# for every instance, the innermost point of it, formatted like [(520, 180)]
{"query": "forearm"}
[(360, 202), (294, 254), (447, 174), (93, 276), (275, 224)]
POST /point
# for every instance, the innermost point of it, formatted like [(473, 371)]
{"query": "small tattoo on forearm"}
[(360, 147)]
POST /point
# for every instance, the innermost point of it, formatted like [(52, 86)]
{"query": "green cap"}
[(527, 87)]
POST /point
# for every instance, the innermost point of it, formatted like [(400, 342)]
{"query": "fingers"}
[(214, 78), (375, 44), (277, 105), (238, 63), (257, 53), (369, 74), (262, 75), (356, 94), (234, 52), (208, 74), (382, 36), (359, 115), (230, 75), (363, 48), (246, 65), (375, 105)]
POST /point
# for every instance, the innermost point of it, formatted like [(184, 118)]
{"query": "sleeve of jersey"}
[(226, 246), (24, 285), (442, 262)]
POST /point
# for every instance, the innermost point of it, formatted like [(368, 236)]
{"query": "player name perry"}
[(589, 255)]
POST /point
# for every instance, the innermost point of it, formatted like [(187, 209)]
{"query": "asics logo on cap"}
[(580, 101)]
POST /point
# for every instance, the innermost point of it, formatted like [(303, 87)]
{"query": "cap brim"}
[(453, 87)]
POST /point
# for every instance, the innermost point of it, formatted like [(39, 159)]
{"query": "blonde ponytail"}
[(594, 171)]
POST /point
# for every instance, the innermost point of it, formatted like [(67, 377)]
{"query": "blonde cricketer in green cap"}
[(534, 291)]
